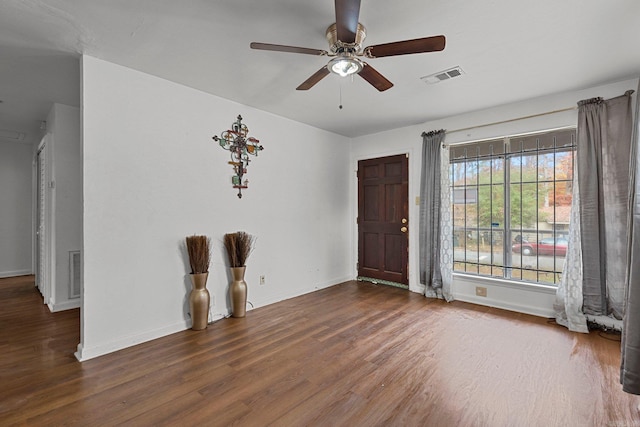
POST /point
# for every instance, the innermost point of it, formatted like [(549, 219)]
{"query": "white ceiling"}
[(510, 50)]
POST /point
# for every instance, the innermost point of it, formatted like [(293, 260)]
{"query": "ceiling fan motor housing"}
[(336, 46)]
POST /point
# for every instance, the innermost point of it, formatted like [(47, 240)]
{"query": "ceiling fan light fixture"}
[(345, 65)]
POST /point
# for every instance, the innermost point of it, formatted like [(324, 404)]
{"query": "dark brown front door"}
[(383, 238)]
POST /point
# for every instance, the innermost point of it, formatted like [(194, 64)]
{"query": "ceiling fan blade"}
[(376, 79), (283, 48), (315, 78), (347, 15), (406, 47)]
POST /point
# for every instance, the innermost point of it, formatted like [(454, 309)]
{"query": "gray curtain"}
[(568, 303), (630, 367), (603, 150), (430, 203)]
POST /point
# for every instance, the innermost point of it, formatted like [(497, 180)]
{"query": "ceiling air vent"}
[(443, 75), (11, 135)]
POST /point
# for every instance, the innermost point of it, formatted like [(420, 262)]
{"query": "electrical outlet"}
[(481, 291), (262, 280)]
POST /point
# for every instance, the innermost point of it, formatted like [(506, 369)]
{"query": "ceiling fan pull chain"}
[(340, 87)]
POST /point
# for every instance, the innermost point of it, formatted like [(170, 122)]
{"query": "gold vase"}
[(199, 301), (238, 292)]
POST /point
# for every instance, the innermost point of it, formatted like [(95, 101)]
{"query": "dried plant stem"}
[(239, 246), (199, 251)]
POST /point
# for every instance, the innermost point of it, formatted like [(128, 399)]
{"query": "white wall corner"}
[(418, 288), (78, 353)]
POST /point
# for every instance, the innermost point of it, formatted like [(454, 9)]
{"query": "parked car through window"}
[(548, 246)]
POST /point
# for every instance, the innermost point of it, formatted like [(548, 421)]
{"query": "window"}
[(511, 205)]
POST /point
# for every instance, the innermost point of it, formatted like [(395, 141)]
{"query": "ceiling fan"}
[(345, 39)]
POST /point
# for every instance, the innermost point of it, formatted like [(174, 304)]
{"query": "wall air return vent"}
[(75, 276), (11, 135), (443, 75)]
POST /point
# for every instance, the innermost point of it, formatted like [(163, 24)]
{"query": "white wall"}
[(63, 123), (16, 236), (536, 300), (152, 175)]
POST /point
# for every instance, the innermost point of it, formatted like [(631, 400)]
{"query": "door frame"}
[(414, 212), (46, 286)]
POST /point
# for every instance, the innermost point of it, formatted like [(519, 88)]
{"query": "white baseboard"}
[(507, 305), (502, 304), (66, 305), (14, 273), (218, 316), (418, 288), (281, 297), (86, 353), (520, 297)]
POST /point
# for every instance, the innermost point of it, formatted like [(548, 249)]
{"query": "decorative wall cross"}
[(235, 140)]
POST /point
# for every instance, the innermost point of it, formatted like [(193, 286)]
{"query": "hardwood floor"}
[(354, 354)]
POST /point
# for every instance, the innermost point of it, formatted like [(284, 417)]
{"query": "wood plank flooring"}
[(355, 354)]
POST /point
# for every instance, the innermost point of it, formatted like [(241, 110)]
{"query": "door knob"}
[(403, 229), (404, 220)]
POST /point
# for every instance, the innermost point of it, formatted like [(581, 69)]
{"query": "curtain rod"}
[(513, 120)]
